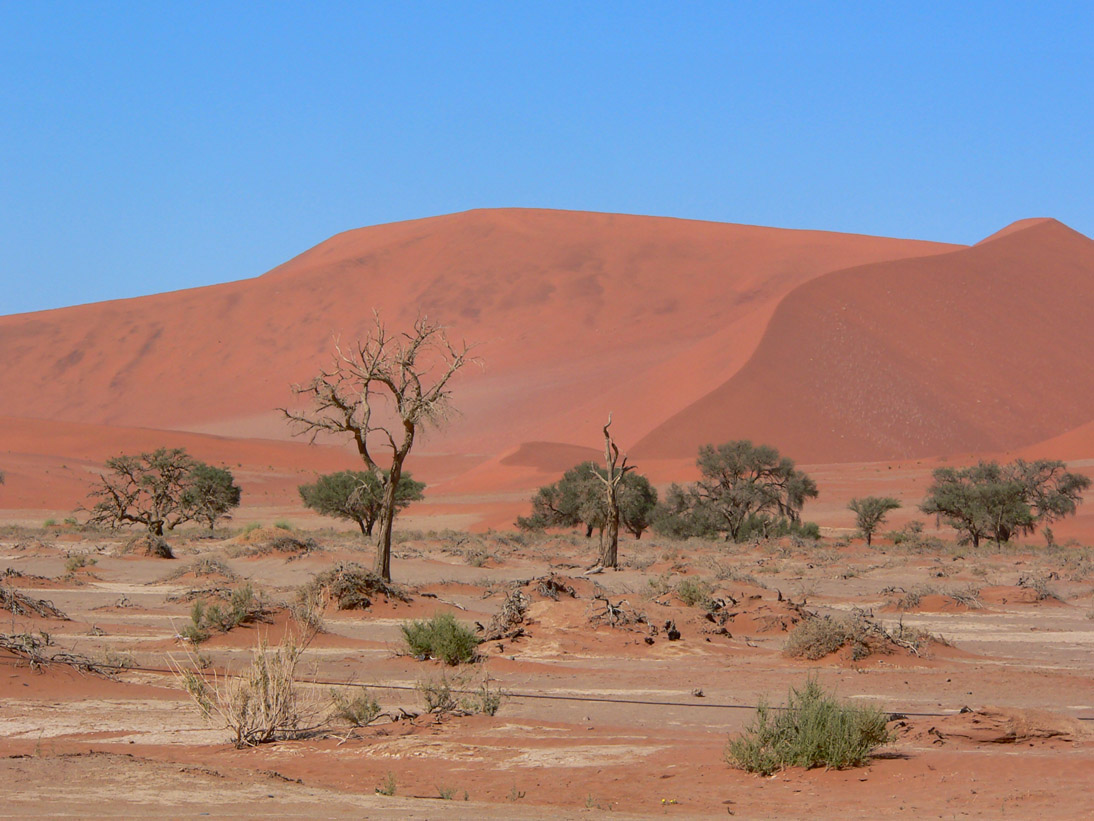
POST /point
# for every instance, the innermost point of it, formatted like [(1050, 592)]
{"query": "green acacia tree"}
[(211, 494), (989, 500), (744, 488), (160, 490), (578, 500), (870, 512), (357, 496)]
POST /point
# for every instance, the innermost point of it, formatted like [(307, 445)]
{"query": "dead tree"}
[(609, 540), (383, 390)]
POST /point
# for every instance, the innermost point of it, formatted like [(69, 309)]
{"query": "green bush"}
[(814, 730), (244, 607), (442, 637)]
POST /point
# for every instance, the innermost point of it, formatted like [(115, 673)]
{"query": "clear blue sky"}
[(152, 146)]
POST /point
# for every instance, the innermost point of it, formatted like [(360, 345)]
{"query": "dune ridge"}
[(981, 349), (839, 349)]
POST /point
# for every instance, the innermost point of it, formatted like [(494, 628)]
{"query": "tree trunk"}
[(869, 535), (382, 567), (609, 543), (361, 524)]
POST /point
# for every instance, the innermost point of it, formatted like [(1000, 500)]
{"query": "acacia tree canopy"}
[(989, 500), (577, 499), (744, 488), (211, 494), (161, 490), (357, 495), (870, 512)]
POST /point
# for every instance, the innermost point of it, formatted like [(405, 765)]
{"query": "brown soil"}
[(645, 731)]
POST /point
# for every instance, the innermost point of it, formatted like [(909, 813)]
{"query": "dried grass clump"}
[(264, 703), (818, 636), (200, 568), (351, 587)]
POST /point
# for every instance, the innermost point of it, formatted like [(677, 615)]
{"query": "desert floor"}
[(595, 717)]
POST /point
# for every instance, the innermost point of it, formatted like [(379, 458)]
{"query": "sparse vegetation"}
[(266, 702), (243, 607), (441, 637), (813, 730), (78, 561), (818, 636), (693, 592), (354, 706), (351, 587)]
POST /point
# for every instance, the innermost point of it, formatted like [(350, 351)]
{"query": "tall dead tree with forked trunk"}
[(609, 544), (382, 392)]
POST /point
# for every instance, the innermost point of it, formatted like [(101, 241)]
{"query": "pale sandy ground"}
[(82, 746)]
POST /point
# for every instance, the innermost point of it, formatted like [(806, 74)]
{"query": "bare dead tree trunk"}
[(609, 541), (382, 566)]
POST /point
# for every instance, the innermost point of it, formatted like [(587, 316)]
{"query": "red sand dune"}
[(982, 349), (836, 348), (575, 313)]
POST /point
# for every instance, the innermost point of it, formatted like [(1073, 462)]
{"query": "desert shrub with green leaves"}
[(814, 730), (441, 637), (244, 607)]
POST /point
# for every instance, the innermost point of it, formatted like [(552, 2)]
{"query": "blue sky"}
[(147, 147)]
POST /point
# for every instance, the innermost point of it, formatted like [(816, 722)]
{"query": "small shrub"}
[(1039, 584), (816, 637), (150, 545), (438, 695), (813, 730), (483, 699), (243, 607), (693, 592), (76, 562), (441, 637), (388, 785), (355, 706), (281, 524)]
